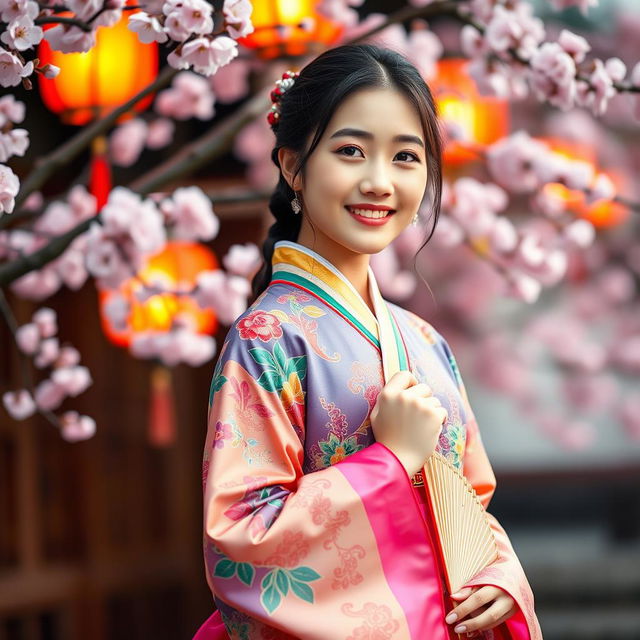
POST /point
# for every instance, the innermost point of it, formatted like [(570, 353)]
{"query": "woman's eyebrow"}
[(359, 133)]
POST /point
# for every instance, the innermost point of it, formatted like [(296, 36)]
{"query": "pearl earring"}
[(415, 219)]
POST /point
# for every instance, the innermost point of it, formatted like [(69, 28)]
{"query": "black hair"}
[(307, 107)]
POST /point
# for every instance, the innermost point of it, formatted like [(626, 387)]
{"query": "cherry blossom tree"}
[(504, 235)]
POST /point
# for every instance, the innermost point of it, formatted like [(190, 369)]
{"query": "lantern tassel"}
[(162, 415), (100, 172)]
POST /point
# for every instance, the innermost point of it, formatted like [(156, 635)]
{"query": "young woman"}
[(326, 399)]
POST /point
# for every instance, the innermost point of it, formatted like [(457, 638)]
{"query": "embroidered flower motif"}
[(290, 551), (451, 443), (378, 624), (224, 431), (294, 296), (259, 324), (333, 449)]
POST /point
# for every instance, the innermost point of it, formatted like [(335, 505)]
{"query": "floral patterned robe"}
[(311, 528)]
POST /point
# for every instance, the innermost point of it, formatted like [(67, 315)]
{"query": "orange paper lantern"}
[(601, 213), (289, 28), (94, 83), (174, 268), (481, 120)]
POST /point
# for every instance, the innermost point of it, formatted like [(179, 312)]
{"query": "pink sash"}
[(212, 629)]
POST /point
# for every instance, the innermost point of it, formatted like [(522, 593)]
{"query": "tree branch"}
[(46, 167)]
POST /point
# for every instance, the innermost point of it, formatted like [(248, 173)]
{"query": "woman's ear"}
[(287, 159)]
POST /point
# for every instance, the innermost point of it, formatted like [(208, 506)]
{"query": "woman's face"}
[(372, 154)]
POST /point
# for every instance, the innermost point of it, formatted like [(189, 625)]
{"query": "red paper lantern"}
[(94, 83), (289, 28), (482, 120), (176, 268)]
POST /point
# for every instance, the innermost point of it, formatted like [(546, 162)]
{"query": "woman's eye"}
[(349, 147), (410, 155), (351, 151)]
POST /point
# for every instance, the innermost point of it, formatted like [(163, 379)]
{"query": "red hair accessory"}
[(286, 82)]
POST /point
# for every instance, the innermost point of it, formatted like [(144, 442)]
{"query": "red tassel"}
[(162, 415), (100, 172)]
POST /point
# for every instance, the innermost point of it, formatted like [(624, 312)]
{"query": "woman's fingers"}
[(500, 608)]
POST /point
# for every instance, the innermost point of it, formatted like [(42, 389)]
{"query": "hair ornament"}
[(282, 85)]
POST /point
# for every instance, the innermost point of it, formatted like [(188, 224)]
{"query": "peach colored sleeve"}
[(506, 572)]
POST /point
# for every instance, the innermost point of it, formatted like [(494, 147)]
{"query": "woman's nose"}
[(377, 180)]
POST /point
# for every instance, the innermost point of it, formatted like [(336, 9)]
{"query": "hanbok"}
[(312, 529)]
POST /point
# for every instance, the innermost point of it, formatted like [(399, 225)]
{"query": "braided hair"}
[(305, 109)]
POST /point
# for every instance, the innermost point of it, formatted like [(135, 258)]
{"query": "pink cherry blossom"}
[(230, 83), (49, 395), (83, 203), (424, 49), (19, 404), (22, 34), (190, 213), (514, 29), (50, 71), (128, 217), (148, 28), (160, 133), (68, 357), (84, 9), (117, 310), (503, 236), (189, 96), (576, 46), (552, 75), (48, 354), (70, 266), (76, 428), (227, 295), (448, 232), (28, 338), (73, 380), (11, 10), (47, 322), (243, 259), (580, 233), (523, 287), (112, 16), (127, 142), (104, 261), (187, 17), (70, 39), (340, 11), (11, 110), (599, 91), (237, 14), (13, 143), (206, 55), (37, 285), (12, 71), (512, 162)]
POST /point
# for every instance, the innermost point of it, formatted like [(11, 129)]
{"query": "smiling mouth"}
[(368, 213)]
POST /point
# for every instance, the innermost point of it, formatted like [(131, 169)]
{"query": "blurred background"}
[(532, 276)]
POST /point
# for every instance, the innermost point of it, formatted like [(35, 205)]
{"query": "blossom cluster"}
[(67, 378), (190, 23), (223, 292), (509, 57)]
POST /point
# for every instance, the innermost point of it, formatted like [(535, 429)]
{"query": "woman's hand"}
[(407, 418), (490, 605)]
